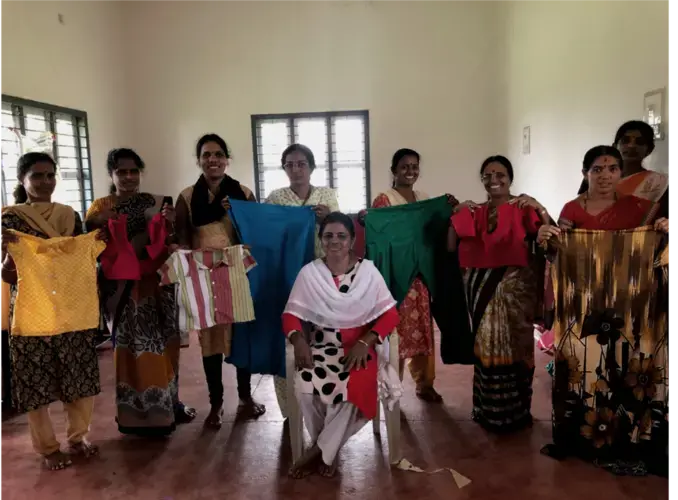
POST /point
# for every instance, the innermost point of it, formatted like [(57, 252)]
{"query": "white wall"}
[(427, 72), (80, 65), (574, 72)]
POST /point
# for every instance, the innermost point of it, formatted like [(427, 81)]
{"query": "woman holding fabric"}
[(339, 309), (140, 313), (203, 222), (623, 420), (39, 375), (492, 239), (415, 331), (298, 162)]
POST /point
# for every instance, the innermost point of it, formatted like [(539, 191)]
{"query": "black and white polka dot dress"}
[(327, 379)]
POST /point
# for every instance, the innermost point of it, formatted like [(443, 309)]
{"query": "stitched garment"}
[(611, 363), (59, 275), (119, 260), (482, 248), (213, 286)]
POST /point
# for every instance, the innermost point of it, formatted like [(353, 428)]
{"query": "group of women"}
[(340, 310)]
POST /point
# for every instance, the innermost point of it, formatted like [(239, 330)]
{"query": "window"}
[(66, 129), (340, 144)]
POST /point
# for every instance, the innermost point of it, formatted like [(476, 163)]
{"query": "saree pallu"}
[(142, 318), (610, 389), (502, 304)]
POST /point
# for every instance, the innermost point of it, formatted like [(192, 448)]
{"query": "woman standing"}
[(501, 288), (141, 314), (38, 374), (298, 162), (629, 412), (203, 222), (415, 331)]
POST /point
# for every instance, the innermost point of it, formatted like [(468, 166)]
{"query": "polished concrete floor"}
[(249, 460)]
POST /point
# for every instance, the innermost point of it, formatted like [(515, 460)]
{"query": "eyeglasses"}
[(292, 164)]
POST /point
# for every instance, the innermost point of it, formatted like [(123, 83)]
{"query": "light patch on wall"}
[(526, 140)]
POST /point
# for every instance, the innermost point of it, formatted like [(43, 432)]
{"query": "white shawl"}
[(316, 299)]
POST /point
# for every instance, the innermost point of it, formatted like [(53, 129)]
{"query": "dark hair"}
[(23, 166), (498, 159), (645, 130), (340, 218), (399, 155), (304, 150), (114, 157), (211, 138), (594, 153)]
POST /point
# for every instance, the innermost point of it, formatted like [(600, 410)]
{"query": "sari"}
[(648, 185), (610, 386), (38, 375), (502, 302), (142, 318)]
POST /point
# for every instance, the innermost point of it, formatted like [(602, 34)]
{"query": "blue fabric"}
[(282, 241)]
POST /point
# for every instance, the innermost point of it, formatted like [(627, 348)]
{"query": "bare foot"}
[(83, 448), (250, 409), (57, 461), (214, 419), (304, 466), (327, 470)]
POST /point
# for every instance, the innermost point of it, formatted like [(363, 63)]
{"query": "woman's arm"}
[(452, 239), (182, 223), (384, 325)]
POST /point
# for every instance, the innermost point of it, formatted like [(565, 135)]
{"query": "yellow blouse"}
[(56, 284)]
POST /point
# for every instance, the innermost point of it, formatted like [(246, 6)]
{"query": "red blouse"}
[(362, 384), (119, 260), (628, 212), (505, 246)]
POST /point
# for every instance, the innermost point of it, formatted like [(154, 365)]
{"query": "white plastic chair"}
[(296, 421)]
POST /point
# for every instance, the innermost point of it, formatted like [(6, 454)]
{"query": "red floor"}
[(249, 461)]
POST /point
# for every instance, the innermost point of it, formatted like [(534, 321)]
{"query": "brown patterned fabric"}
[(610, 388)]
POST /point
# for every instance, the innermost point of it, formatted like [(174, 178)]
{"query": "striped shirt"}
[(213, 286)]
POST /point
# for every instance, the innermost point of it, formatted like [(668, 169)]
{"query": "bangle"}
[(361, 341)]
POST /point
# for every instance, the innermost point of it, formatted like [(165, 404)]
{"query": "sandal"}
[(184, 414), (250, 410), (214, 419), (57, 461), (83, 448), (430, 395)]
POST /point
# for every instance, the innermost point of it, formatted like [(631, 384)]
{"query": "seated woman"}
[(501, 285), (339, 308)]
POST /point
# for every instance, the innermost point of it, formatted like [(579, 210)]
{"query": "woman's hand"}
[(565, 225), (357, 357), (662, 225), (302, 352), (361, 217), (226, 203), (546, 232), (471, 205), (168, 213), (101, 219), (321, 211), (526, 201), (452, 200), (8, 238), (102, 234)]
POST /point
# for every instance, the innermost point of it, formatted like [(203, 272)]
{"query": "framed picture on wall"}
[(653, 111)]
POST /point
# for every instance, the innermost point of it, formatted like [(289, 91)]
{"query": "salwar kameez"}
[(51, 368)]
